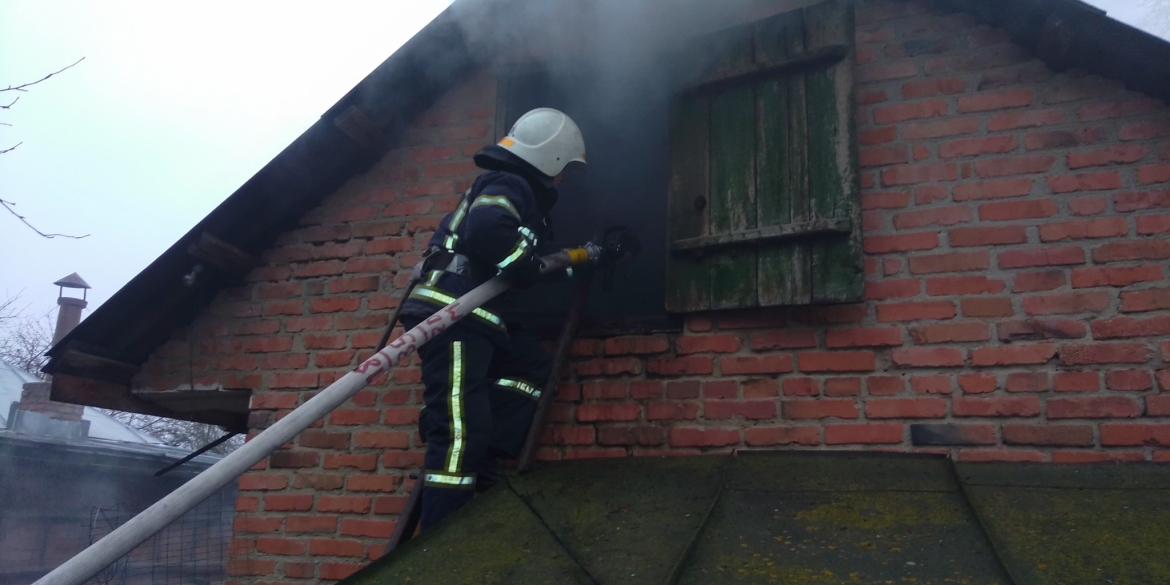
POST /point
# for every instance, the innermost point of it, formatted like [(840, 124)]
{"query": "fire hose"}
[(125, 538)]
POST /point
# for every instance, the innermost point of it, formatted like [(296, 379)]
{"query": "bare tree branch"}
[(11, 148), (11, 104), (7, 205), (25, 343), (23, 86)]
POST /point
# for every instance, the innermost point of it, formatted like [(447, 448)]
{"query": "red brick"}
[(1153, 224), (1068, 303), (315, 523), (703, 437), (1105, 353), (784, 339), (617, 366), (950, 333), (609, 435), (761, 388), (978, 383), (986, 307), (884, 385), (367, 528), (1144, 130), (1147, 249), (945, 286), (884, 155), (1094, 407), (287, 400), (892, 289), (864, 434), (801, 387), (669, 410), (820, 409), (281, 546), (708, 344), (1085, 182), (637, 344), (988, 235), (1000, 189), (885, 72), (1013, 355), (605, 390), (344, 504), (361, 462), (1125, 435), (978, 146), (1027, 382), (886, 200), (772, 364), (1121, 154), (1097, 228), (1035, 330), (1021, 165), (771, 436), (1016, 210), (942, 357), (350, 416), (932, 87), (1082, 206), (1028, 119), (950, 262), (608, 412), (329, 547), (721, 389), (996, 101), (293, 460), (891, 312), (752, 319), (940, 384), (914, 174), (906, 408), (1125, 202), (748, 409), (900, 243), (1138, 301), (682, 389), (878, 136), (941, 128), (1038, 281), (682, 366), (381, 439), (1158, 405), (837, 361), (863, 337), (1060, 139), (1077, 382), (1129, 380), (909, 111), (841, 387), (936, 216), (566, 435), (1022, 406), (1121, 327), (1049, 256), (1048, 435), (288, 503), (927, 194)]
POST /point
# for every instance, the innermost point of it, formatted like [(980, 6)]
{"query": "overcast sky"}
[(174, 107)]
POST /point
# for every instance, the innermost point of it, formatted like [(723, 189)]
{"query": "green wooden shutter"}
[(765, 201)]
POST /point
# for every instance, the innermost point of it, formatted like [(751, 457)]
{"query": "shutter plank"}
[(733, 185), (837, 274), (688, 280), (782, 189)]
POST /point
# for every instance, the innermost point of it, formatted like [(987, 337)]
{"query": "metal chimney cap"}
[(72, 281)]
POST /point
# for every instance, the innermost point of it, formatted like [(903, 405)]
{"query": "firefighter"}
[(483, 375)]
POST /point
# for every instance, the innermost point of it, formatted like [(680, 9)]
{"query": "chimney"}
[(35, 414)]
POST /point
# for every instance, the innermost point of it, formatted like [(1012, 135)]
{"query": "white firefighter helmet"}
[(546, 139)]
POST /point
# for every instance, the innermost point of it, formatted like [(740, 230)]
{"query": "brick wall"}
[(1018, 306)]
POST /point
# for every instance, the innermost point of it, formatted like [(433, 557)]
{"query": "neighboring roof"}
[(801, 517), (356, 131), (101, 426)]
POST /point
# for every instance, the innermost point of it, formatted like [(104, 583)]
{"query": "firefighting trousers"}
[(479, 400)]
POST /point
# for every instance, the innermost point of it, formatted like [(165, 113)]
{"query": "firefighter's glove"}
[(617, 244), (524, 272)]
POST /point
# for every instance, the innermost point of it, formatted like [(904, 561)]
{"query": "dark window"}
[(626, 183), (764, 202)]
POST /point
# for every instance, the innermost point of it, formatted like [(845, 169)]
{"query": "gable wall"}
[(1016, 236)]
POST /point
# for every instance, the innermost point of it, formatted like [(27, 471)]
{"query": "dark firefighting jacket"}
[(501, 225)]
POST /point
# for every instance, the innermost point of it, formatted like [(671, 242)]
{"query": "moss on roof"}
[(801, 517)]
